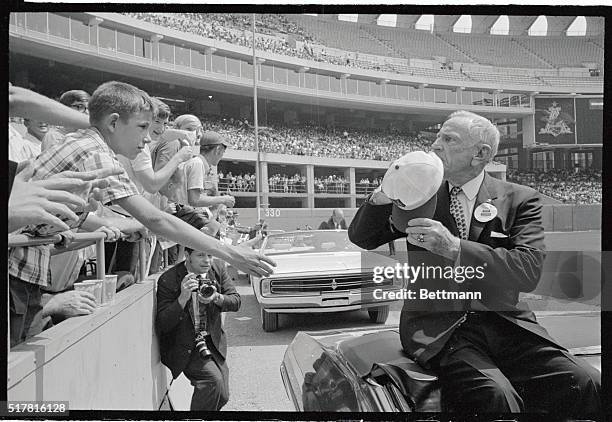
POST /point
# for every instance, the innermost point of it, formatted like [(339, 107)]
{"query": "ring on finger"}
[(421, 237)]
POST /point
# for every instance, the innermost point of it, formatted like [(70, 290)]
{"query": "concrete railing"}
[(106, 360)]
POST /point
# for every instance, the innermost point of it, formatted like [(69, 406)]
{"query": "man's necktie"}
[(456, 210)]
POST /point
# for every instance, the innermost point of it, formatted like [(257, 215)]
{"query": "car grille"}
[(325, 284)]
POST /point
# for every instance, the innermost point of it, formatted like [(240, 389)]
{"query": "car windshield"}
[(310, 241)]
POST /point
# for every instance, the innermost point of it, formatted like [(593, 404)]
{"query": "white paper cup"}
[(92, 286), (109, 289)]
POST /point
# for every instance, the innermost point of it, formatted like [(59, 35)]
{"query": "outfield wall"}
[(557, 217)]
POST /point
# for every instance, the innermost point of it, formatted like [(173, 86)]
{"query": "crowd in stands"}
[(234, 28), (236, 183), (331, 184), (277, 34), (578, 186), (311, 140), (365, 186), (281, 183)]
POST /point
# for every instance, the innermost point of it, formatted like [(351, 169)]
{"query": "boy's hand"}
[(251, 262)]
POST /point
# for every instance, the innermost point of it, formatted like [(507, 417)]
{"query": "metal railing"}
[(81, 240)]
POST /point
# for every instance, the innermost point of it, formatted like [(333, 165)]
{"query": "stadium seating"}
[(566, 186), (283, 30), (564, 51), (495, 50), (419, 44)]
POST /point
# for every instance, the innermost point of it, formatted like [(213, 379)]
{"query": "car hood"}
[(328, 262)]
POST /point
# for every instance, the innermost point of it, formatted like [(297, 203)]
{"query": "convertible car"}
[(322, 271), (363, 370)]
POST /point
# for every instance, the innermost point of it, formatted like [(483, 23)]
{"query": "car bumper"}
[(320, 303)]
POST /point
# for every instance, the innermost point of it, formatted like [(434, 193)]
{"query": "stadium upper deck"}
[(517, 50), (555, 60)]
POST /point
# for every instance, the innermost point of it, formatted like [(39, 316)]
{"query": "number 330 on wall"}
[(272, 212)]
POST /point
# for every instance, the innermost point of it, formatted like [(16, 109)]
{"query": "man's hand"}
[(188, 285), (67, 238), (170, 208), (379, 197), (433, 236), (251, 243), (228, 200), (70, 303), (112, 233), (209, 299)]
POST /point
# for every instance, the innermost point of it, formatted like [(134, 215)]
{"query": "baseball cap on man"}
[(412, 182), (213, 138)]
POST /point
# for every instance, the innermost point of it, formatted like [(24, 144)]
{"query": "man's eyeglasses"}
[(79, 107)]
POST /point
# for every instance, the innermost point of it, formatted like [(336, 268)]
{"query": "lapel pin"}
[(485, 212)]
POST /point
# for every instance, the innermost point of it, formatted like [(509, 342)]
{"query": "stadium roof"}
[(482, 24)]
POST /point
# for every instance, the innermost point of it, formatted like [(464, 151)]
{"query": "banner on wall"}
[(555, 121)]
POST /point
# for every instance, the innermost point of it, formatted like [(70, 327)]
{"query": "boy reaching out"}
[(120, 115)]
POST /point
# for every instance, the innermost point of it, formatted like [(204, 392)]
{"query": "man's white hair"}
[(480, 128)]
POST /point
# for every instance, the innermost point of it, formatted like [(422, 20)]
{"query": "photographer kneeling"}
[(190, 298)]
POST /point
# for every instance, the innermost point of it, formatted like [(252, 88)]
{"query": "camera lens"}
[(201, 346), (207, 290)]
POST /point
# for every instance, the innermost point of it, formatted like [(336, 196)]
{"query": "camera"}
[(201, 346), (205, 287)]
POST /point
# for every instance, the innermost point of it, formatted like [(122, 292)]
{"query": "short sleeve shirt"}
[(22, 148), (54, 136), (140, 163), (84, 150)]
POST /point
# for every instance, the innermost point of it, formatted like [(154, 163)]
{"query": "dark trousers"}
[(25, 310), (210, 382), (492, 365)]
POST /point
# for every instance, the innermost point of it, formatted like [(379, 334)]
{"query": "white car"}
[(321, 271)]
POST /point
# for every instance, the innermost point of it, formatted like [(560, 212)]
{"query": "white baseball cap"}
[(412, 183)]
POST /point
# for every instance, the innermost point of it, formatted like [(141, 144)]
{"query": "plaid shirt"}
[(84, 150)]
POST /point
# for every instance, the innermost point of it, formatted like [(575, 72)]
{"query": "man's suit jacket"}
[(175, 325), (329, 225), (511, 264)]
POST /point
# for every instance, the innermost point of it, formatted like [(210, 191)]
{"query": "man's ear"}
[(110, 122), (484, 152)]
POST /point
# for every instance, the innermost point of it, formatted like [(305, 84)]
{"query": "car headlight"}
[(265, 286)]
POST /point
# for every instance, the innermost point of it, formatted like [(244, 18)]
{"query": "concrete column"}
[(597, 159), (352, 187), (310, 185), (263, 186), (459, 92), (155, 39), (208, 52), (528, 130), (560, 159), (302, 70), (93, 29), (523, 158), (422, 91), (343, 79)]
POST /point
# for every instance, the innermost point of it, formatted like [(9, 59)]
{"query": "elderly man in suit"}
[(176, 321), (490, 356), (335, 222)]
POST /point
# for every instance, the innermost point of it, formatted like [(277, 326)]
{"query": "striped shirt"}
[(84, 150)]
